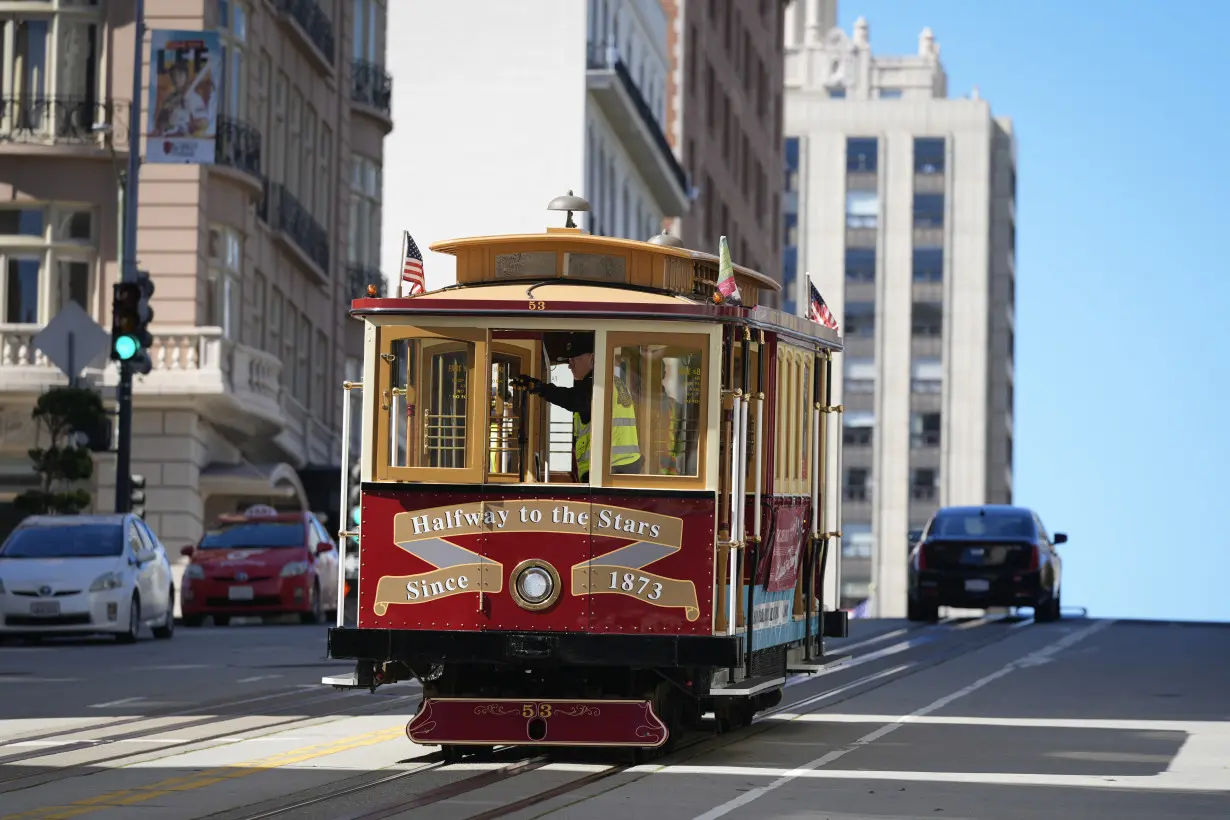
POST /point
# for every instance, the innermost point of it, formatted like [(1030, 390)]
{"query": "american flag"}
[(412, 279), (819, 311)]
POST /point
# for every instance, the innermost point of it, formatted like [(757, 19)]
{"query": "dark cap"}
[(578, 344)]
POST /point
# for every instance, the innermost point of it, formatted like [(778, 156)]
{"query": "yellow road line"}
[(198, 780)]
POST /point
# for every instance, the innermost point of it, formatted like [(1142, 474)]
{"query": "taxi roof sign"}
[(259, 511)]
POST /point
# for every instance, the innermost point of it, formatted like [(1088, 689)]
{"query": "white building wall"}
[(493, 97)]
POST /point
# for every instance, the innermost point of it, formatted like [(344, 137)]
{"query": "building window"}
[(369, 23), (857, 540), (45, 242), (861, 155), (324, 182), (860, 318), (862, 209), (860, 264), (860, 375), (49, 63), (366, 182), (837, 93), (890, 93), (792, 164), (319, 394), (222, 295), (233, 32), (928, 210), (294, 123), (928, 264), (309, 159), (926, 375), (924, 484), (303, 388), (256, 316), (927, 319), (277, 152), (929, 155), (858, 427), (857, 484), (924, 429)]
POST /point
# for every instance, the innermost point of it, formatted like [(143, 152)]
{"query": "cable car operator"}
[(625, 450)]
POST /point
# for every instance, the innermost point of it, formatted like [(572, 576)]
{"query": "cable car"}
[(598, 498)]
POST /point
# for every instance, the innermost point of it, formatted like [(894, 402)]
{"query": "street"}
[(987, 718)]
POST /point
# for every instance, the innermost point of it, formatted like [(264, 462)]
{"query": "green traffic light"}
[(126, 347), (354, 515)]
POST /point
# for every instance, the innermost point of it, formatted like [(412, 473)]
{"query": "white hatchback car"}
[(85, 574)]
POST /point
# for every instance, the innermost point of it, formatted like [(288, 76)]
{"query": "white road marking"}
[(1039, 655), (845, 647), (862, 659), (1189, 726), (28, 679), (174, 667), (257, 677), (38, 743), (1157, 782), (115, 703), (775, 714)]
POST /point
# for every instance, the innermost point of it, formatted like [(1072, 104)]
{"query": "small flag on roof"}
[(412, 279), (727, 289), (819, 311)]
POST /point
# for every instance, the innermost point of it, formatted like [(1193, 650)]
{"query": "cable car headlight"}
[(535, 585)]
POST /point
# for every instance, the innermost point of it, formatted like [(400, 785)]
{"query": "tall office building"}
[(724, 118), (901, 204), (521, 102), (255, 257)]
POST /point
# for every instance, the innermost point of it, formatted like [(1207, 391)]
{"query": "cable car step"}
[(348, 681), (748, 686), (531, 722), (819, 664)]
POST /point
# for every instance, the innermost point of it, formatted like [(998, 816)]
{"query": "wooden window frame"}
[(615, 339), (476, 407), (531, 365)]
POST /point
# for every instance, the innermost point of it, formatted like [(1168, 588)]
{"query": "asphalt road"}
[(967, 719)]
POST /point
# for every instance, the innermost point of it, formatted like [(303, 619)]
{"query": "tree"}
[(63, 412)]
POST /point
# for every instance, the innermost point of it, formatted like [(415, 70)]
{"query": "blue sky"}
[(1122, 330)]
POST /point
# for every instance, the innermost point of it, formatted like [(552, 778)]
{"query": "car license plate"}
[(45, 608), (977, 585), (241, 593)]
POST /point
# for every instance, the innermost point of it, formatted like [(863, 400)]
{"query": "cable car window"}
[(657, 395), (507, 426), (428, 402)]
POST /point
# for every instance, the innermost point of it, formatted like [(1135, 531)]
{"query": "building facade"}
[(725, 116), (254, 257), (900, 202), (555, 95)]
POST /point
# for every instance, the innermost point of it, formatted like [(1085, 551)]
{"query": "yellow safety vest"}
[(624, 446)]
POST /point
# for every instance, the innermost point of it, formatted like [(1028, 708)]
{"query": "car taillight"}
[(920, 558), (1035, 558)]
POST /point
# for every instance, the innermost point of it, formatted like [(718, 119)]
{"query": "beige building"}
[(724, 113), (901, 202), (254, 258)]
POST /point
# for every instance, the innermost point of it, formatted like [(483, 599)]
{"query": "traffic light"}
[(356, 496), (130, 317), (137, 495)]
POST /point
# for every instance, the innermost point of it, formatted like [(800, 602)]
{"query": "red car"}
[(261, 562)]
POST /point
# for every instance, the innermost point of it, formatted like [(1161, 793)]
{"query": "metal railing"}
[(923, 492), (64, 120), (238, 145), (282, 211), (371, 85), (927, 439), (602, 56), (314, 22)]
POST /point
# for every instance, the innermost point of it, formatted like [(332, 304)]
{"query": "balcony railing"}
[(601, 56), (238, 145), (358, 277), (64, 121), (923, 492), (930, 438), (282, 212), (371, 85), (314, 22)]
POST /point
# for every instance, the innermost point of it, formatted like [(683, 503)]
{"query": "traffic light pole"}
[(128, 270)]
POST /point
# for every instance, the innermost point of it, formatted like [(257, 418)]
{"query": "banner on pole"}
[(185, 83)]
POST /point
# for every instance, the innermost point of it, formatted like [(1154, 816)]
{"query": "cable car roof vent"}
[(568, 203), (667, 239)]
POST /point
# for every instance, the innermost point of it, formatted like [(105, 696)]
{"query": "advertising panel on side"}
[(185, 83)]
